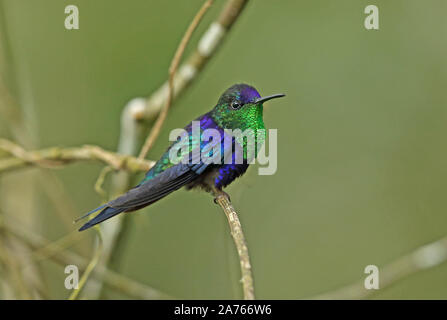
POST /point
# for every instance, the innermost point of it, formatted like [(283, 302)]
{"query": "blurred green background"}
[(362, 155)]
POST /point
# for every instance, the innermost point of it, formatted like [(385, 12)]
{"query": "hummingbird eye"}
[(235, 105)]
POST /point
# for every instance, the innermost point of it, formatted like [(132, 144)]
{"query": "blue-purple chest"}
[(227, 173)]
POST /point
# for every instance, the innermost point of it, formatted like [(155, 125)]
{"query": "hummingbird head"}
[(240, 107)]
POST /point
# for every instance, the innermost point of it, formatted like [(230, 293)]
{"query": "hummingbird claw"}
[(222, 193)]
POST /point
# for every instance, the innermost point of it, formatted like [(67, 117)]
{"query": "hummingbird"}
[(239, 107)]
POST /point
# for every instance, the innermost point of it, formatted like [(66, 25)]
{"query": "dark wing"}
[(165, 177), (156, 188), (158, 183)]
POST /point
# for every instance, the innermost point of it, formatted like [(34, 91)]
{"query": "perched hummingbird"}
[(239, 107)]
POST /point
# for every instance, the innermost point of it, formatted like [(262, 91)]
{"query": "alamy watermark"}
[(72, 280), (72, 19), (212, 146), (372, 280), (372, 18)]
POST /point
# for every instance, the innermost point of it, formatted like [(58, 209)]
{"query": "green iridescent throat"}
[(248, 117)]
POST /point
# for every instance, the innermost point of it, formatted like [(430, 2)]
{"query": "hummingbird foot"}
[(220, 193)]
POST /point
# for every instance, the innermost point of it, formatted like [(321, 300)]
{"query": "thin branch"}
[(100, 181), (19, 126), (153, 135), (50, 183), (12, 268), (90, 266), (56, 157), (422, 258), (241, 245), (20, 122), (64, 258), (188, 71)]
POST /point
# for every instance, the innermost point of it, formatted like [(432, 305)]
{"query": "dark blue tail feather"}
[(90, 212), (105, 214)]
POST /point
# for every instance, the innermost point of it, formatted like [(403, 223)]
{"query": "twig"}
[(153, 135), (60, 244), (239, 241), (90, 266), (422, 258), (21, 122), (206, 48), (12, 269), (55, 157), (50, 183), (100, 181), (113, 279)]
